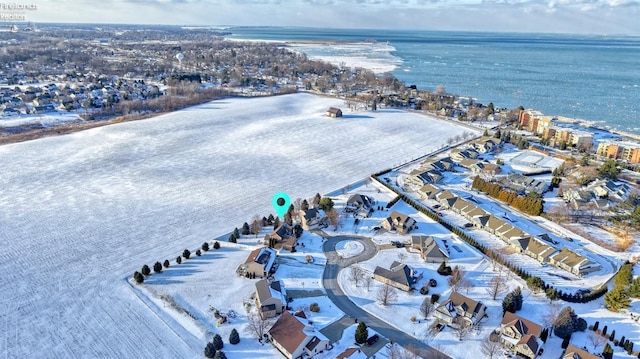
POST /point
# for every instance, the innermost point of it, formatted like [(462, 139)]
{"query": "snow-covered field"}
[(82, 212), (45, 120)]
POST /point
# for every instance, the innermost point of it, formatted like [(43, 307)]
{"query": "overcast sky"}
[(556, 16)]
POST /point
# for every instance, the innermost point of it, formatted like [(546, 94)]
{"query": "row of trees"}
[(139, 277), (214, 347), (599, 337), (529, 205)]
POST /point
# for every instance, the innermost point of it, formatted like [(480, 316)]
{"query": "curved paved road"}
[(334, 264)]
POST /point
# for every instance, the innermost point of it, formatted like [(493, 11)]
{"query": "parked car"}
[(436, 206), (373, 339), (439, 214), (468, 225)]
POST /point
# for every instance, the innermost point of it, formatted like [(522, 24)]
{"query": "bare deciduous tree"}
[(332, 217), (387, 295), (426, 308), (367, 281), (457, 276), (490, 348), (258, 326), (462, 329), (551, 315), (256, 225), (497, 286), (596, 340), (356, 274)]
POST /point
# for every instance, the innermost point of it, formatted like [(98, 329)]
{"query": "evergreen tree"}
[(138, 277), (612, 337), (609, 170), (596, 325), (485, 133), (205, 246), (535, 283), (326, 204), (236, 233), (198, 253), (517, 298), (604, 331), (362, 333), (245, 229), (624, 276), (544, 335), (209, 351), (566, 323), (186, 254), (220, 355), (270, 220), (607, 352), (232, 238), (565, 342), (634, 289), (276, 222), (217, 342), (507, 304), (617, 299), (216, 245), (179, 260), (304, 205), (234, 337), (145, 270), (157, 267), (622, 339), (166, 263)]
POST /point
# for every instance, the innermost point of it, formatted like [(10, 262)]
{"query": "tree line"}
[(529, 205)]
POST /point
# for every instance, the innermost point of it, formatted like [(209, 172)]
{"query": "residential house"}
[(520, 335), (294, 336), (281, 237), (399, 222), (573, 262), (457, 308), (609, 189), (310, 218), (422, 176), (271, 298), (459, 155), (334, 112), (428, 191), (359, 204), (538, 250), (260, 262), (484, 167), (430, 249), (494, 224), (398, 276), (573, 352)]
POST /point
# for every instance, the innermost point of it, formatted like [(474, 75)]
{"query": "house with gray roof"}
[(459, 308), (430, 249), (260, 262), (270, 298), (399, 222), (398, 276)]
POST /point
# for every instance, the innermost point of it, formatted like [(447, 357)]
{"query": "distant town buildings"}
[(620, 150)]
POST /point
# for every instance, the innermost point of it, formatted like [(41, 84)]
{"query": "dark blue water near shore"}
[(588, 77)]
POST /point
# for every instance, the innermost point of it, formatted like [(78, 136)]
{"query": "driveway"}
[(352, 311)]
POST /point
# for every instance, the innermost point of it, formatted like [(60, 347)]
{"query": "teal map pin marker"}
[(281, 203)]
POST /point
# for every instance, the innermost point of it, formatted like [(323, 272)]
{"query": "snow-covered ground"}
[(82, 212), (45, 119)]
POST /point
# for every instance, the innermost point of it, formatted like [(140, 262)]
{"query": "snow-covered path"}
[(80, 213)]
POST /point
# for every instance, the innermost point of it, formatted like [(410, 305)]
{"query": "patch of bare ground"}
[(624, 237)]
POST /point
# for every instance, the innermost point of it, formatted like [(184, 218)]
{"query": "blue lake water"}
[(595, 78)]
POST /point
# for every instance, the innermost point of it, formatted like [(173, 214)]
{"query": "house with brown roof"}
[(457, 308), (398, 276), (281, 237), (429, 248), (259, 263), (399, 222), (573, 352), (294, 336), (573, 262), (270, 298), (334, 112), (520, 335), (359, 204)]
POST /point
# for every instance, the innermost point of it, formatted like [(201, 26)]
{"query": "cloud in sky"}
[(567, 16)]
